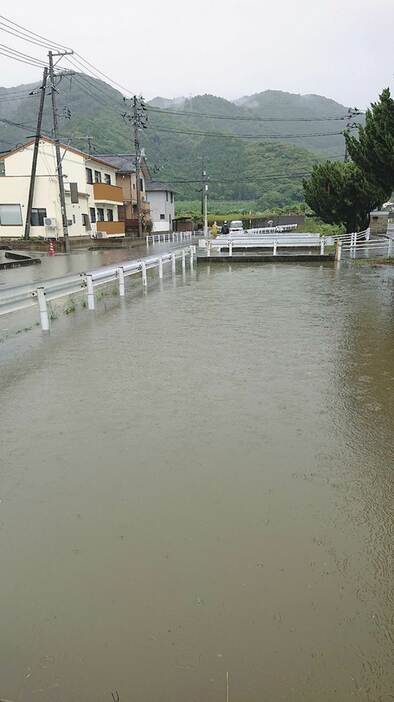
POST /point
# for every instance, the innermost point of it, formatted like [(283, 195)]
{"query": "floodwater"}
[(80, 260), (199, 481)]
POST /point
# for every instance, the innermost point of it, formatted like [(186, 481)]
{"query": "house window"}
[(10, 215), (74, 193), (37, 216), (162, 216), (97, 177), (89, 176), (74, 220), (92, 214), (141, 184), (133, 186), (86, 220), (107, 178), (166, 195), (100, 214), (172, 197), (110, 215)]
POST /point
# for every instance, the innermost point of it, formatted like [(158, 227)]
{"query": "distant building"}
[(162, 205), (126, 179), (378, 222), (92, 196)]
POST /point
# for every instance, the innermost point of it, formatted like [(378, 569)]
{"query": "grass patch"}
[(374, 261)]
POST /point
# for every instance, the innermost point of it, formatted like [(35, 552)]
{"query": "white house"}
[(92, 196), (161, 198)]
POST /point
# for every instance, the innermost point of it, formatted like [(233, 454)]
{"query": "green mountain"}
[(247, 157)]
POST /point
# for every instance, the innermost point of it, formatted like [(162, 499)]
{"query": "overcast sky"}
[(342, 49)]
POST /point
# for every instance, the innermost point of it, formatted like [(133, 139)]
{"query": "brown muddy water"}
[(197, 481)]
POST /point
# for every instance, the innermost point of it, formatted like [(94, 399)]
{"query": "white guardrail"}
[(41, 292), (264, 242), (169, 236)]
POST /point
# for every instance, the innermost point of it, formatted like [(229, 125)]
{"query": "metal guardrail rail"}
[(264, 242), (170, 237), (40, 293)]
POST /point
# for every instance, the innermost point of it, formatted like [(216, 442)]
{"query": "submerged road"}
[(198, 481), (77, 262)]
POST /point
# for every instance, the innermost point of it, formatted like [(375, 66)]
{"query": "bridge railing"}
[(38, 294), (163, 237), (272, 230), (264, 242)]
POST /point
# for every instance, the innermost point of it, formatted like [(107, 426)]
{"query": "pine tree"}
[(339, 193), (373, 149)]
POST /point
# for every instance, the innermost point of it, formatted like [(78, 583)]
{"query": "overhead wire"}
[(29, 35), (243, 118), (220, 135)]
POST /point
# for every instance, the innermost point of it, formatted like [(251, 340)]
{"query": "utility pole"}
[(35, 155), (352, 112), (205, 197), (139, 120), (59, 168), (137, 164)]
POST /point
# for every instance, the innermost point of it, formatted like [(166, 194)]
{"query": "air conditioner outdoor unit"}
[(50, 222)]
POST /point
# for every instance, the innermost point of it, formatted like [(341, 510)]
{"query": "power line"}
[(220, 135), (28, 35), (243, 118), (251, 180), (21, 60), (9, 49), (127, 90)]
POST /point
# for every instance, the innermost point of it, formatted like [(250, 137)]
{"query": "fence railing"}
[(38, 294), (264, 242), (169, 236), (355, 245), (272, 230)]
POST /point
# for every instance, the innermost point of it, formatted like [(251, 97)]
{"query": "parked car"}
[(236, 227)]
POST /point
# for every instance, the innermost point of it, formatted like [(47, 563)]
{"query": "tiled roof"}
[(124, 163)]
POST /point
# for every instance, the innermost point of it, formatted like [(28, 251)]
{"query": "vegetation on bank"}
[(219, 211), (374, 261)]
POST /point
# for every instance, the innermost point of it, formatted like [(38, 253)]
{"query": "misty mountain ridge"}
[(249, 156)]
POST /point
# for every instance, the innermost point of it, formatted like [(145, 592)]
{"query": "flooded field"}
[(199, 481)]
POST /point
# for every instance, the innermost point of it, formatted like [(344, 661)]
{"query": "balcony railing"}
[(102, 192)]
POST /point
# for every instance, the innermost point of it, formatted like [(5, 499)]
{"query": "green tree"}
[(339, 193), (372, 150)]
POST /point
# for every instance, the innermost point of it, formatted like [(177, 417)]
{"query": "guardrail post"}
[(230, 248), (275, 247), (322, 246), (121, 281), (89, 285), (338, 250), (173, 263), (367, 234), (183, 261), (389, 245), (147, 241), (143, 274), (208, 248), (160, 267), (43, 308), (191, 251)]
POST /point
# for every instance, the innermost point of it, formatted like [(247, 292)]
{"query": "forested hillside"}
[(258, 148)]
